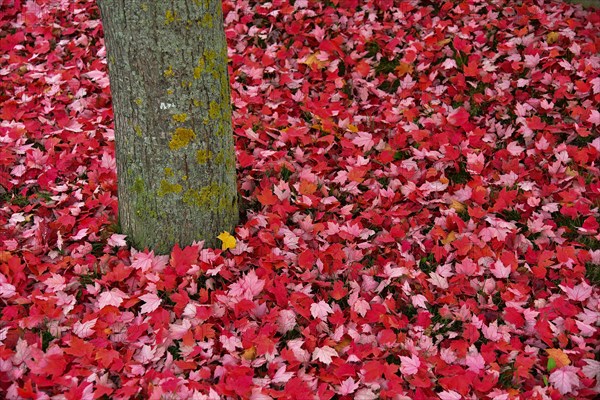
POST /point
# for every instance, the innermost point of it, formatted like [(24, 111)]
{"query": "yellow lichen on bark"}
[(199, 68), (168, 73), (207, 21), (180, 117), (181, 138), (206, 196), (213, 110), (170, 17), (167, 187), (203, 156)]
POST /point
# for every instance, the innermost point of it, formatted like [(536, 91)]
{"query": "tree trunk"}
[(174, 142)]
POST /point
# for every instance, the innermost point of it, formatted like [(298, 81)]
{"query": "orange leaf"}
[(267, 198), (404, 68), (4, 256), (559, 357), (363, 68), (307, 187), (356, 174)]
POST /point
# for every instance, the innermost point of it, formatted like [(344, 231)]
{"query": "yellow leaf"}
[(227, 239), (352, 128), (457, 206), (450, 238), (444, 42), (552, 37), (249, 354), (559, 357), (342, 343), (570, 172), (312, 59)]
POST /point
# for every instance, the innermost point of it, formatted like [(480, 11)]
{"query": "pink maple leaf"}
[(565, 379), (286, 321), (364, 140), (579, 292), (320, 310), (113, 298), (142, 261), (247, 287), (361, 306), (348, 387), (594, 117), (449, 395), (324, 354), (73, 126), (55, 283), (152, 302), (474, 360), (84, 329), (500, 270), (467, 267), (117, 240), (281, 376), (409, 365)]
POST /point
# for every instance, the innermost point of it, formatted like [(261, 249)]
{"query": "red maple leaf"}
[(182, 259)]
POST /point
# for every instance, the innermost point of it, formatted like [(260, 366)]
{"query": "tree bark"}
[(174, 143)]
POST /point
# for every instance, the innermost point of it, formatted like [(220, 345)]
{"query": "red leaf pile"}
[(421, 190)]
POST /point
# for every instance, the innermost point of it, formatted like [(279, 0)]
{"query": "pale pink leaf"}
[(247, 287), (152, 302), (365, 394), (320, 310), (579, 292), (364, 140), (55, 283), (324, 354), (142, 261), (500, 271), (409, 365), (113, 298), (84, 329), (361, 306), (286, 321), (73, 126), (348, 387), (449, 395), (564, 379), (80, 234), (281, 376), (474, 361), (230, 343), (117, 240), (592, 369), (594, 117)]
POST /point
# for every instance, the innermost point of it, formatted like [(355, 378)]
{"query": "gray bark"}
[(175, 154)]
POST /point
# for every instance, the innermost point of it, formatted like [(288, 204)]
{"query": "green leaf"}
[(551, 364)]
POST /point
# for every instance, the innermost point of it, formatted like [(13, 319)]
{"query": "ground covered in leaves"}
[(421, 191)]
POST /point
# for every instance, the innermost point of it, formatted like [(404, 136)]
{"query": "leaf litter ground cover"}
[(421, 206)]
